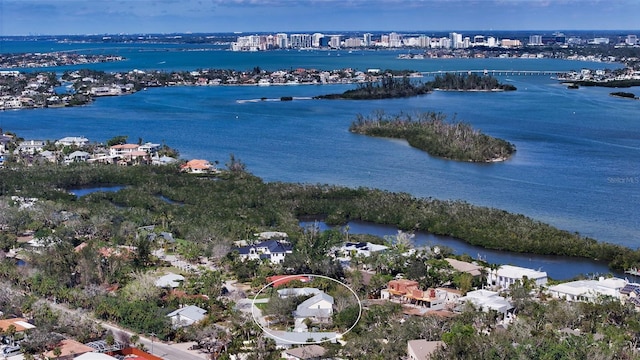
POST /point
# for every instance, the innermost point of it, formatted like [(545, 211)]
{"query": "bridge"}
[(496, 72)]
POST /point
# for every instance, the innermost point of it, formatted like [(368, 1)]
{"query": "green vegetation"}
[(610, 84), (432, 133), (214, 213), (624, 94), (469, 82), (393, 87), (388, 87)]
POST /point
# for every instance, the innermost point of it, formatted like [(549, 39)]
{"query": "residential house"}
[(422, 349), (186, 316), (317, 308), (30, 147), (77, 156), (309, 352), (631, 293), (69, 349), (507, 275), (272, 250), (50, 156), (19, 324), (79, 141), (123, 149), (169, 280), (488, 300), (362, 249), (408, 292), (289, 292), (466, 267), (279, 280), (150, 148), (197, 166), (4, 142), (94, 356), (589, 290)]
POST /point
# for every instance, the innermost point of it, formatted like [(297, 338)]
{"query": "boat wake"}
[(243, 101)]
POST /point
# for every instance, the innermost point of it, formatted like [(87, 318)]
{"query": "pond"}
[(557, 267), (80, 192)]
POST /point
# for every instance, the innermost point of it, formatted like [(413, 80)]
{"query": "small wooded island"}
[(623, 94), (431, 132), (391, 87)]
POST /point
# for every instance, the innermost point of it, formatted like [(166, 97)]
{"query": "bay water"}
[(577, 164)]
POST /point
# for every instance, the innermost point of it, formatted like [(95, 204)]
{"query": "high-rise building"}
[(395, 40), (424, 41), (456, 40), (282, 40), (631, 40), (535, 40), (335, 41), (352, 42), (367, 39), (316, 39), (300, 41)]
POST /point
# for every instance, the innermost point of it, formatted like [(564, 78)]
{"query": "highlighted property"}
[(313, 309)]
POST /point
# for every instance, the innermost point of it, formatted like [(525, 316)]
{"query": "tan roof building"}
[(463, 266), (422, 349)]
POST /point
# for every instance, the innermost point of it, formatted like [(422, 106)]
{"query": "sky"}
[(70, 17)]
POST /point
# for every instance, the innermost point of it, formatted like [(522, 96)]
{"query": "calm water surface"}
[(578, 151)]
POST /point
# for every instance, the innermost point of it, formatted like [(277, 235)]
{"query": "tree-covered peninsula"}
[(469, 82), (213, 211), (432, 133), (395, 87)]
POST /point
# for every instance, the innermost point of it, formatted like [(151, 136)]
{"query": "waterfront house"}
[(77, 156), (30, 147), (507, 275), (466, 267), (355, 249), (589, 290), (79, 141), (272, 250), (197, 166), (186, 316)]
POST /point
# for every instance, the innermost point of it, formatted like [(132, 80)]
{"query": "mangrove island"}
[(431, 132)]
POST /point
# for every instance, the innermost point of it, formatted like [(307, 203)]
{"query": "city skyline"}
[(69, 17)]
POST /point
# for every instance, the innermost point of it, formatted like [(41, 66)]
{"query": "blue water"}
[(80, 192), (578, 150), (557, 267)]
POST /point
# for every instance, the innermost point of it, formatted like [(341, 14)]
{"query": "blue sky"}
[(23, 17)]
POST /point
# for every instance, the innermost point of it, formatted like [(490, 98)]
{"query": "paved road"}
[(155, 347)]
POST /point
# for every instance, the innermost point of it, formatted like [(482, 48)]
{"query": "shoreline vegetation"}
[(626, 95), (432, 133), (391, 87), (242, 204)]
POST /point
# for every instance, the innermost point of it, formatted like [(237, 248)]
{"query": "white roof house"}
[(285, 293), (320, 307), (284, 339), (507, 275), (186, 316), (588, 290), (73, 140), (487, 300), (94, 356), (170, 280)]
